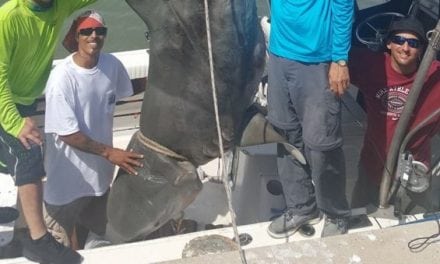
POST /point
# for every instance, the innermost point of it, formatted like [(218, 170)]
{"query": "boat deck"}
[(370, 240), (384, 242), (376, 246)]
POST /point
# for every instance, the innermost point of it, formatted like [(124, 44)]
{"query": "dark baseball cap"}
[(408, 24)]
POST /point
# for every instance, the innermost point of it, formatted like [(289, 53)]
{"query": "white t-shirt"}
[(79, 99)]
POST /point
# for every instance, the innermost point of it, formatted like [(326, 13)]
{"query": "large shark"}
[(178, 126)]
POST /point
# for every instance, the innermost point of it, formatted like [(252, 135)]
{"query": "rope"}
[(364, 129), (220, 140), (158, 147), (417, 245)]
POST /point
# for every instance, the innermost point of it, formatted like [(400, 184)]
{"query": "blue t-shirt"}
[(311, 30)]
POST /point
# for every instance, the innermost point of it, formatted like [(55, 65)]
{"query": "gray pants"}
[(308, 114)]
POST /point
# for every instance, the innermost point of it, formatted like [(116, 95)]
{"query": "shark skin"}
[(178, 109)]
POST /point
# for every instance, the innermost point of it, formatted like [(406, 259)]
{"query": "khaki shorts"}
[(90, 212)]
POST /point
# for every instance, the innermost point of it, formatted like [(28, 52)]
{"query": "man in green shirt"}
[(29, 32)]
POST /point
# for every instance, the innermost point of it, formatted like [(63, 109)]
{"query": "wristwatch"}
[(342, 63)]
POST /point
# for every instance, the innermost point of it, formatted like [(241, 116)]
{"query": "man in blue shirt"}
[(308, 45)]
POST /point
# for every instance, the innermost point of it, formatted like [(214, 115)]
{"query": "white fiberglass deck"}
[(253, 204)]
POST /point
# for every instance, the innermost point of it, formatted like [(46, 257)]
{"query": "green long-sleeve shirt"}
[(27, 43)]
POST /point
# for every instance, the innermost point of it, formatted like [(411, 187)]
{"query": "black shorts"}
[(26, 166)]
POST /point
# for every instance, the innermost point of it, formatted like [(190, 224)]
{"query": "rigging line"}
[(404, 145), (359, 123), (434, 165), (220, 140), (153, 145), (419, 244), (416, 129), (188, 32)]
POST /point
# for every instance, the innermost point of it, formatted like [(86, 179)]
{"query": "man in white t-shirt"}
[(80, 100)]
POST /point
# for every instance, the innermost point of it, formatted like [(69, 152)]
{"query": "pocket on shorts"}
[(333, 116)]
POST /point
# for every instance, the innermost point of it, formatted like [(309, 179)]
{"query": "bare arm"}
[(125, 159), (342, 20)]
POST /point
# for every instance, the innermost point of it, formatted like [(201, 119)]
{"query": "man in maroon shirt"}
[(385, 80)]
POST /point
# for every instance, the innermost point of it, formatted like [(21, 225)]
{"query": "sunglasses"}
[(412, 42), (100, 31)]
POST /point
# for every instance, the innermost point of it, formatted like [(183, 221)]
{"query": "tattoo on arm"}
[(84, 143)]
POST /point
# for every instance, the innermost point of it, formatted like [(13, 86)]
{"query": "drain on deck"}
[(307, 230), (274, 187), (245, 239)]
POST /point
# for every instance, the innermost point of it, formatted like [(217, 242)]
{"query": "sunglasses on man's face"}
[(412, 42), (100, 31)]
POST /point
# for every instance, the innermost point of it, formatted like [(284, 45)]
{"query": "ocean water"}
[(126, 29)]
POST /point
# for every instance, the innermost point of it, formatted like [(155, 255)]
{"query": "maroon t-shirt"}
[(385, 93)]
